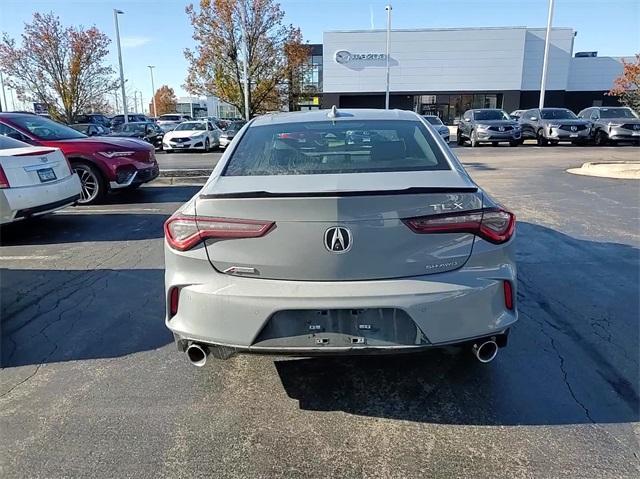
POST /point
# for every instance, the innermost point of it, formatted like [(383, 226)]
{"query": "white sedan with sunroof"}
[(34, 180), (192, 135)]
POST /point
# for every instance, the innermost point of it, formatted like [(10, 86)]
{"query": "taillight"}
[(4, 182), (494, 225), (174, 297), (508, 294), (184, 232)]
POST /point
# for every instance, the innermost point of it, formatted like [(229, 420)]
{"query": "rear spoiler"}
[(341, 194)]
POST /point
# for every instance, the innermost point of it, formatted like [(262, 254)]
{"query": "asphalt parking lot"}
[(92, 384)]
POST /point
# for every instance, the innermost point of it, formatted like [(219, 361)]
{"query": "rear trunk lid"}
[(33, 166), (332, 227)]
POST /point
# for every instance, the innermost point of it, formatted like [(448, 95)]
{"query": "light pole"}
[(4, 95), (545, 62), (245, 62), (135, 101), (153, 91), (141, 104), (388, 8), (117, 12)]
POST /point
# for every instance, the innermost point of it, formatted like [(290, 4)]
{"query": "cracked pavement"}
[(92, 385)]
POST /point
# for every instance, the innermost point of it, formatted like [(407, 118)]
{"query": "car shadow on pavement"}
[(152, 194), (52, 315), (76, 226), (572, 358)]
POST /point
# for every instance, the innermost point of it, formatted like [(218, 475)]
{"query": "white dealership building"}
[(447, 71)]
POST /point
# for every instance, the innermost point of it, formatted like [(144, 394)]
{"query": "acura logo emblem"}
[(337, 239), (574, 128), (501, 128), (43, 159)]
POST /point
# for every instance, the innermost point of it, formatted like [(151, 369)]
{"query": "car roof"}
[(342, 114)]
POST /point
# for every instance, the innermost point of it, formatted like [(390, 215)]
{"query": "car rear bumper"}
[(275, 316), (27, 201)]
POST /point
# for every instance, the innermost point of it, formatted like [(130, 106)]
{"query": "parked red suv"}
[(102, 163)]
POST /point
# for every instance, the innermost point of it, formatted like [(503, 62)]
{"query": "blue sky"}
[(157, 31)]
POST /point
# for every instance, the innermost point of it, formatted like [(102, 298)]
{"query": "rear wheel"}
[(601, 138), (542, 141), (93, 186)]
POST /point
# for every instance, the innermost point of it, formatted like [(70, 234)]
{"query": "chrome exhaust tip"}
[(485, 352), (197, 354)]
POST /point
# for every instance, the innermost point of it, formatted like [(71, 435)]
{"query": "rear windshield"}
[(170, 118), (434, 120), (558, 114), (347, 146)]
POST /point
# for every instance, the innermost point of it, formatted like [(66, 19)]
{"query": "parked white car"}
[(34, 180), (192, 135), (170, 120)]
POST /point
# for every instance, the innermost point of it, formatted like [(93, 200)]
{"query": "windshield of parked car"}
[(434, 120), (134, 127), (557, 114), (490, 115), (45, 129), (617, 113), (170, 118), (82, 128), (235, 125), (192, 126), (348, 146)]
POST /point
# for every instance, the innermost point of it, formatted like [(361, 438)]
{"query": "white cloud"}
[(134, 42)]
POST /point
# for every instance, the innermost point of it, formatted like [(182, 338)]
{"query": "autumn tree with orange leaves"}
[(63, 67), (275, 53), (166, 101), (627, 86)]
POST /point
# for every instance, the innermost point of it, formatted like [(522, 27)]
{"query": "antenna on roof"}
[(333, 113)]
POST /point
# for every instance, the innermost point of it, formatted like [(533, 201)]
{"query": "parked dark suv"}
[(95, 118), (488, 125), (612, 124), (143, 130)]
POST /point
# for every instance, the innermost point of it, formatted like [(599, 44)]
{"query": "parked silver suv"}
[(612, 124), (552, 125)]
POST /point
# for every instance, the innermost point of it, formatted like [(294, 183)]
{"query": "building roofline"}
[(376, 30)]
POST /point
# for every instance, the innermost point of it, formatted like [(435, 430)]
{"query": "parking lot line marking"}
[(20, 258)]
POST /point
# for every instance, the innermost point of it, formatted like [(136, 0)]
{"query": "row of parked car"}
[(548, 126), (168, 132), (46, 165)]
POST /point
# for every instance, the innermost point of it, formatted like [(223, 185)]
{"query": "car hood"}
[(569, 121), (497, 122), (98, 143), (184, 133), (633, 121)]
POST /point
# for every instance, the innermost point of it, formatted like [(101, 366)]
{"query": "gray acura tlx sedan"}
[(304, 243)]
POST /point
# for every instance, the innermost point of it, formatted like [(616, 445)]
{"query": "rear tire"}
[(542, 141), (207, 147), (93, 185)]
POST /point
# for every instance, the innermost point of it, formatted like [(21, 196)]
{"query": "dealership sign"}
[(343, 56)]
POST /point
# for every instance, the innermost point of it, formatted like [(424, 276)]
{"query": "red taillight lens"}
[(494, 225), (184, 232), (4, 182), (174, 297), (508, 294)]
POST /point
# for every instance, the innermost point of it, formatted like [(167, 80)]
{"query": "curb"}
[(185, 173), (624, 170)]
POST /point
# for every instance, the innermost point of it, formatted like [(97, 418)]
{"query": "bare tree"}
[(275, 52), (63, 67)]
